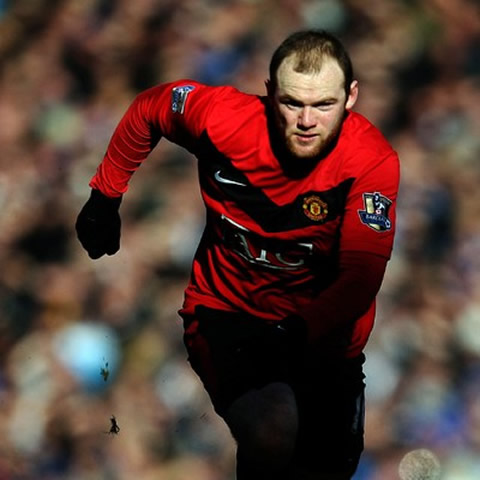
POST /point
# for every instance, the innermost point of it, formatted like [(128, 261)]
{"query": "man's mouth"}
[(306, 137)]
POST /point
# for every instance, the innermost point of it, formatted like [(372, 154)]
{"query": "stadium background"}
[(68, 70)]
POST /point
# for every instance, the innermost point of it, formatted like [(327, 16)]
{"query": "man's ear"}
[(352, 96)]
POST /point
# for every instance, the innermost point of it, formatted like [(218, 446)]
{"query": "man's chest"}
[(267, 218)]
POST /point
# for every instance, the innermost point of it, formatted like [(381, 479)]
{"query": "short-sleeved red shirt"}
[(272, 239)]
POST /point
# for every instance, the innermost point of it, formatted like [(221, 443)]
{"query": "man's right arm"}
[(177, 111), (98, 224), (134, 138), (159, 111)]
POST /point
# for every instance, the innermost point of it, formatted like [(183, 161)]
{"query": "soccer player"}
[(300, 194)]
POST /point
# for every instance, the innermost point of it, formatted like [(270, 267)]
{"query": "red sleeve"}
[(348, 298), (130, 144), (177, 111), (370, 212)]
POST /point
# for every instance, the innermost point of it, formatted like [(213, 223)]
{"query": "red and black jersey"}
[(272, 239)]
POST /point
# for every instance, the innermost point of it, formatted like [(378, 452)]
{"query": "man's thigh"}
[(231, 363), (331, 419)]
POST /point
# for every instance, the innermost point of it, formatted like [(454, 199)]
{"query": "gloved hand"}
[(98, 225)]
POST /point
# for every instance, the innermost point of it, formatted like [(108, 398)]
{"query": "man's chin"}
[(305, 153)]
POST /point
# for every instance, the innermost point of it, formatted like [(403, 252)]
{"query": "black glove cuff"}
[(102, 201)]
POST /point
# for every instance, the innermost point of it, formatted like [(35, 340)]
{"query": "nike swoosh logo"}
[(228, 181)]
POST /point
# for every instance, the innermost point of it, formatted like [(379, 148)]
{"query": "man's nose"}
[(306, 118)]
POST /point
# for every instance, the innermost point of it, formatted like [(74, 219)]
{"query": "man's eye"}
[(324, 106), (293, 106)]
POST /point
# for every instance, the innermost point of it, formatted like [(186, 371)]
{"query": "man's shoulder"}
[(364, 148), (362, 133), (226, 104), (217, 94), (186, 105), (233, 112), (178, 91)]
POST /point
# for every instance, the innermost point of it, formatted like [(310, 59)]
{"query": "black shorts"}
[(329, 392)]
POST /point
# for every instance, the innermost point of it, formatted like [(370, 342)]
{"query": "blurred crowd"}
[(84, 341)]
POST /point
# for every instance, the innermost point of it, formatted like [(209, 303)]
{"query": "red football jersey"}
[(272, 238)]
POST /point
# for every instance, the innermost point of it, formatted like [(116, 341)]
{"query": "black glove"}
[(98, 225)]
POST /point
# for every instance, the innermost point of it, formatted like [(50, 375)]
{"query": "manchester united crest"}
[(315, 208)]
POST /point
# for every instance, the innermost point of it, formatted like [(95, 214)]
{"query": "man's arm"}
[(348, 297), (157, 112), (366, 242), (98, 224), (178, 111), (132, 141)]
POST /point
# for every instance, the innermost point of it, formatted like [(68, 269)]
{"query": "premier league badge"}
[(179, 97), (376, 211)]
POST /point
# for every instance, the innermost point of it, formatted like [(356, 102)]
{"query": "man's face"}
[(309, 107)]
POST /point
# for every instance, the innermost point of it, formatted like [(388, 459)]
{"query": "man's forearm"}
[(131, 143), (349, 297)]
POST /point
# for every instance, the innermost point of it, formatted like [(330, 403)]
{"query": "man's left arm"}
[(359, 279), (366, 243)]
